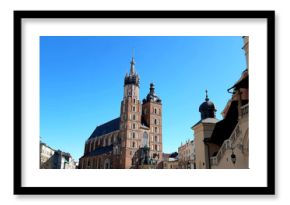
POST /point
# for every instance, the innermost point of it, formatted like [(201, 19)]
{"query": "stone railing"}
[(227, 145)]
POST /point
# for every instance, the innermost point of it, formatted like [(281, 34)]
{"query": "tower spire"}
[(132, 68), (206, 96)]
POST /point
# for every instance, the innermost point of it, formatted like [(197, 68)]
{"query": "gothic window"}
[(155, 111), (133, 145), (134, 100), (133, 135), (156, 130), (134, 126), (145, 139), (134, 117), (133, 108), (156, 139), (155, 147), (155, 121)]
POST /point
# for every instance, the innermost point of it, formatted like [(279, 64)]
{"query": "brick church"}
[(133, 140)]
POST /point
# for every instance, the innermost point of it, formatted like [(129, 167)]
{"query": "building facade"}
[(186, 155), (132, 140), (55, 159), (170, 161)]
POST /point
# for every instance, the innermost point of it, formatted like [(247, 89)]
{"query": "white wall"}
[(282, 88)]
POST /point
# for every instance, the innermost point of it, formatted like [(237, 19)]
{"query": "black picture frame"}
[(19, 189)]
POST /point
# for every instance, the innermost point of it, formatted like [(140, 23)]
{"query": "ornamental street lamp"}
[(233, 157)]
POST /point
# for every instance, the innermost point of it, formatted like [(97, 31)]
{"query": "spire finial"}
[(206, 96), (132, 69)]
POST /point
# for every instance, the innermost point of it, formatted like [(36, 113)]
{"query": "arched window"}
[(156, 138), (155, 121), (134, 126), (145, 139), (155, 111), (156, 130), (133, 144), (133, 135), (134, 117)]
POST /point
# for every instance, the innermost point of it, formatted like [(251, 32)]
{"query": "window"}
[(134, 117), (156, 139), (155, 147), (156, 129), (155, 121), (133, 145), (155, 111), (133, 108), (134, 126), (134, 100), (133, 135)]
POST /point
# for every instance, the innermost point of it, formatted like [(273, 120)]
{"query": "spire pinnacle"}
[(132, 69), (206, 96)]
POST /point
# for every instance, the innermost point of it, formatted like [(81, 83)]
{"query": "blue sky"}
[(81, 82)]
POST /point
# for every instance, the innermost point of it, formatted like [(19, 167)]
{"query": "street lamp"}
[(233, 157)]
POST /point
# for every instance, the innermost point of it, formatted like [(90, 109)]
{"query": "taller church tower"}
[(130, 121)]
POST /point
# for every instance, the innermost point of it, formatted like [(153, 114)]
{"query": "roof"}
[(243, 82), (106, 128), (99, 151), (207, 120)]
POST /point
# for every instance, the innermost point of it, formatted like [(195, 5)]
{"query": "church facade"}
[(134, 139)]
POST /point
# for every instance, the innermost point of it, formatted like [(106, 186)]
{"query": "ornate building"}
[(224, 144), (133, 140)]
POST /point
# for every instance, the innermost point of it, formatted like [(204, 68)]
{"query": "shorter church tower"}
[(152, 118)]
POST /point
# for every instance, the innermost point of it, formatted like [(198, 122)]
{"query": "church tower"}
[(152, 118), (130, 117)]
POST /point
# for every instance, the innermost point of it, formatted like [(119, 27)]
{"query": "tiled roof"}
[(106, 128)]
